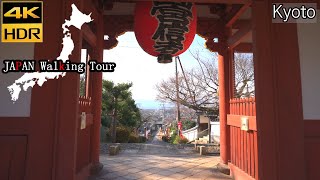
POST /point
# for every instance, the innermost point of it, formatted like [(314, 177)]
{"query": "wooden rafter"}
[(240, 23), (235, 39), (236, 11), (244, 48), (197, 1), (88, 35), (90, 8), (218, 9)]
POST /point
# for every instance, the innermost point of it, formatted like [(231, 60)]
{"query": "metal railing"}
[(203, 133)]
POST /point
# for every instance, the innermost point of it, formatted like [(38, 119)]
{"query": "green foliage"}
[(103, 133), (176, 140), (133, 138), (116, 97), (122, 135), (106, 120), (165, 139), (188, 124), (174, 127), (119, 97), (142, 139), (173, 137), (183, 140), (107, 134), (129, 113), (179, 140)]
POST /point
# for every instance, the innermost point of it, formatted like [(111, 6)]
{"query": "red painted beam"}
[(236, 39), (235, 120), (240, 23), (244, 48), (88, 35), (236, 11), (89, 7)]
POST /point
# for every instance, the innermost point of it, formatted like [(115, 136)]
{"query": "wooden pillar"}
[(224, 82), (278, 96), (223, 69), (68, 106), (97, 98)]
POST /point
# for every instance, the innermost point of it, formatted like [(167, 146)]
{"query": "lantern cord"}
[(185, 78)]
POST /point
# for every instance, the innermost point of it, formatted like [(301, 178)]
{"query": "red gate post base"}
[(223, 168), (96, 168), (237, 173)]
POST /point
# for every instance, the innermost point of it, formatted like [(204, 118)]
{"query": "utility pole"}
[(178, 98), (114, 115), (163, 114), (192, 96)]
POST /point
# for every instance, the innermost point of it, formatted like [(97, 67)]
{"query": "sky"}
[(136, 66)]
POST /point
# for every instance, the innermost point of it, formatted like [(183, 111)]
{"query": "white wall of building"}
[(215, 131), (204, 119), (309, 49), (21, 108)]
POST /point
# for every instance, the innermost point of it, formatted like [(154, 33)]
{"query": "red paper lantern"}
[(165, 29)]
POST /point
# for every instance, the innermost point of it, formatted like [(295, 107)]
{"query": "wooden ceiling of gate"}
[(213, 18), (197, 1)]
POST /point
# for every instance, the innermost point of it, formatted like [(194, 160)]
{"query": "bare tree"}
[(244, 75), (202, 93), (146, 116)]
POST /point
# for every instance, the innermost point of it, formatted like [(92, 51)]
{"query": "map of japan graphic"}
[(77, 19)]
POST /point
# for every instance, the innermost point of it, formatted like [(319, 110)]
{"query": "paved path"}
[(159, 160)]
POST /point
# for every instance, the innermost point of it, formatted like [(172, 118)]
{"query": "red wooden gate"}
[(243, 144)]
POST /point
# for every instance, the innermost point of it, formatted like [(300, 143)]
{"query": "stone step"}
[(204, 142), (204, 139), (210, 148), (114, 150), (202, 150)]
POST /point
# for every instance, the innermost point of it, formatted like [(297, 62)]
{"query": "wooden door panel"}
[(12, 157)]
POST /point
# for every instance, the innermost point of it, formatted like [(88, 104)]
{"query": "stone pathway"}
[(159, 160)]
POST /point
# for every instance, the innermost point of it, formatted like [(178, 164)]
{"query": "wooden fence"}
[(243, 144), (243, 106)]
